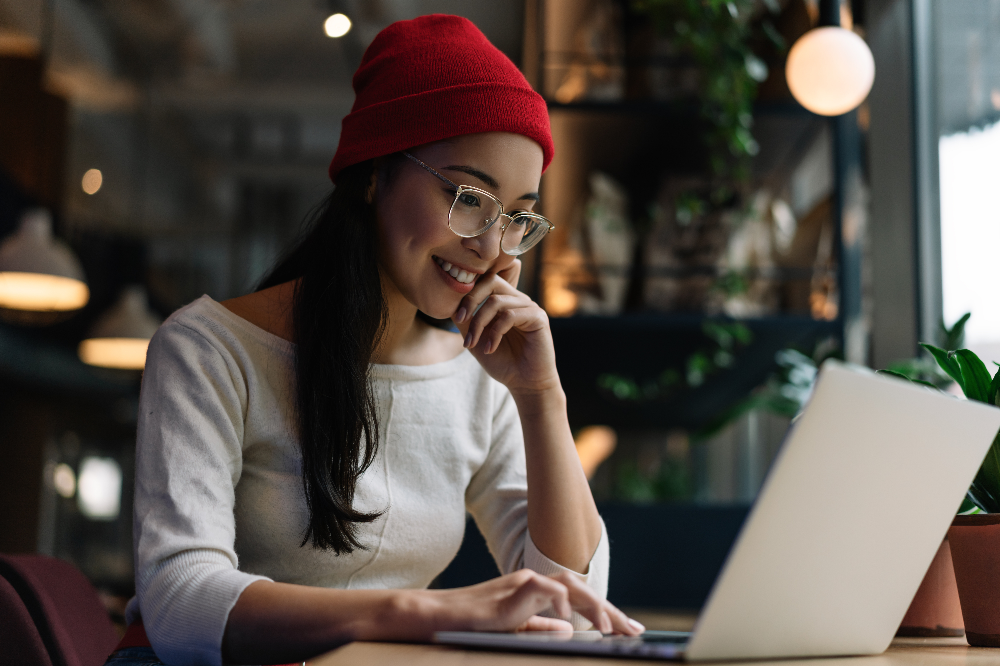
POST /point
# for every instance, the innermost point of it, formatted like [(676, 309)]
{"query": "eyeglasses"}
[(474, 212)]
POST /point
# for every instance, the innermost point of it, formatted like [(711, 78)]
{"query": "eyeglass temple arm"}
[(431, 170)]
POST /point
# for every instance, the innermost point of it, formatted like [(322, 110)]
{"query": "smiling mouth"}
[(460, 275)]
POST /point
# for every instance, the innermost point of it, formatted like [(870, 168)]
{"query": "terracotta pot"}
[(975, 550), (935, 609)]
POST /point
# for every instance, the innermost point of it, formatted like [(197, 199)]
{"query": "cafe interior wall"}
[(212, 124)]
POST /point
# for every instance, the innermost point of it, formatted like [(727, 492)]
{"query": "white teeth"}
[(462, 276)]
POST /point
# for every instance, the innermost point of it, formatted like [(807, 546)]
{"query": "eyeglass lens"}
[(472, 213)]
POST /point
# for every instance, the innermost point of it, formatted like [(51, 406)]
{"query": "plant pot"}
[(975, 550), (935, 609)]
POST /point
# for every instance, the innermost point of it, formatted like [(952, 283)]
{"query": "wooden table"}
[(902, 652)]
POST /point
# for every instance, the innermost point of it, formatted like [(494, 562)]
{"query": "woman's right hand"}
[(512, 603)]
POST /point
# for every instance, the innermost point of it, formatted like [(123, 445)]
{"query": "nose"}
[(487, 245)]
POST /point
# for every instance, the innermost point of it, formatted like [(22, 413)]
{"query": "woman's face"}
[(415, 243)]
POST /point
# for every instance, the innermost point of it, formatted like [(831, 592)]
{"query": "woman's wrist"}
[(532, 403)]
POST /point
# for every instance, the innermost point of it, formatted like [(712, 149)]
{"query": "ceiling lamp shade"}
[(830, 70), (121, 335), (38, 273)]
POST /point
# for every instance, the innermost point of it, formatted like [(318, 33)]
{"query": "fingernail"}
[(460, 315), (468, 339), (635, 625)]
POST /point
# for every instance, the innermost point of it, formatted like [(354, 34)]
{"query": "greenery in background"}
[(725, 338), (716, 34), (970, 373), (925, 368), (671, 481), (785, 392)]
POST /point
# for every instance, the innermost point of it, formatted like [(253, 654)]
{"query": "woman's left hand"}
[(509, 335)]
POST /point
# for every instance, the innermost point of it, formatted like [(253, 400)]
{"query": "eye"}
[(469, 200)]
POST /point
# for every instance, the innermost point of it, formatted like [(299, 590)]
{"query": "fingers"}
[(539, 623), (605, 616), (536, 593), (485, 287), (497, 316), (517, 598)]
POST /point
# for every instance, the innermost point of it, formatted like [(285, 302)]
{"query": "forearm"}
[(279, 622), (562, 517)]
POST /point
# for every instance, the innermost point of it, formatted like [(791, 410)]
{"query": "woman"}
[(306, 453)]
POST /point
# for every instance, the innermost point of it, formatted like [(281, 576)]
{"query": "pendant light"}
[(38, 272), (120, 337), (830, 69)]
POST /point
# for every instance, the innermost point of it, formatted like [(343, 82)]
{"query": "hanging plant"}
[(716, 35)]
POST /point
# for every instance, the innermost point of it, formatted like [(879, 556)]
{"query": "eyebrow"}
[(488, 179)]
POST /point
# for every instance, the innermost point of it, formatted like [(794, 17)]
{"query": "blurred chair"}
[(22, 644), (71, 621)]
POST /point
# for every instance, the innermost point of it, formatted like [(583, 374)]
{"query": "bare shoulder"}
[(269, 309)]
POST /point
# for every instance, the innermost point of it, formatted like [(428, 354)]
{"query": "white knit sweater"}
[(218, 495)]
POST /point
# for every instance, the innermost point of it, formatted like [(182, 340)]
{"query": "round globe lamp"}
[(39, 275), (830, 70), (121, 335)]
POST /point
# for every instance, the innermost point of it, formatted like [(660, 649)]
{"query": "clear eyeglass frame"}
[(529, 241)]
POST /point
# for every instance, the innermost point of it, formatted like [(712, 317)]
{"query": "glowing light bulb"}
[(99, 488), (92, 181), (830, 70), (120, 337), (337, 25)]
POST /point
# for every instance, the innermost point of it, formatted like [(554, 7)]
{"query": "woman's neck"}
[(407, 339)]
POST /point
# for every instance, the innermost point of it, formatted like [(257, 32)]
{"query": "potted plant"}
[(974, 536)]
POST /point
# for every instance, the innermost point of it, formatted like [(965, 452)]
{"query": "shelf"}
[(642, 345)]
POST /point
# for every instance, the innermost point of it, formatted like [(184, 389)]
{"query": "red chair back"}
[(22, 644), (72, 622)]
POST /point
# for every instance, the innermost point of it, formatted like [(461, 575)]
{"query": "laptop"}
[(842, 532)]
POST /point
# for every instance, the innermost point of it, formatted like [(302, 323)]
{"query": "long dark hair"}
[(339, 315)]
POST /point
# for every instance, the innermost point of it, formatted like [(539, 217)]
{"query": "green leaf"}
[(948, 364), (994, 389), (985, 489), (968, 507), (923, 383), (892, 373), (976, 378), (953, 337)]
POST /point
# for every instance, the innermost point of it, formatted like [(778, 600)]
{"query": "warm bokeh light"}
[(594, 444), (120, 353), (92, 181), (830, 70), (337, 25), (100, 488), (41, 293), (64, 480)]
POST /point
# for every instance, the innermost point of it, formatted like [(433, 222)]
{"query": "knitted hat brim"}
[(443, 113)]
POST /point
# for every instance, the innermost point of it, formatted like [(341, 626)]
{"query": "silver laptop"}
[(843, 530)]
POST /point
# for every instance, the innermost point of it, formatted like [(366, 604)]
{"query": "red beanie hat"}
[(434, 78)]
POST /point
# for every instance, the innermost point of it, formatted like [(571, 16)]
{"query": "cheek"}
[(409, 230)]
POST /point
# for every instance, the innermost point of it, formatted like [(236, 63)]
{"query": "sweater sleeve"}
[(188, 462), (497, 498)]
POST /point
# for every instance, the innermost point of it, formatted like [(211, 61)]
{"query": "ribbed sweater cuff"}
[(596, 577), (185, 603)]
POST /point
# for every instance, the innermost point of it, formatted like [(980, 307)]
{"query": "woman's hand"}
[(512, 603), (509, 334)]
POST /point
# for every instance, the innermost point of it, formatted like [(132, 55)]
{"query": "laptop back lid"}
[(847, 522)]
